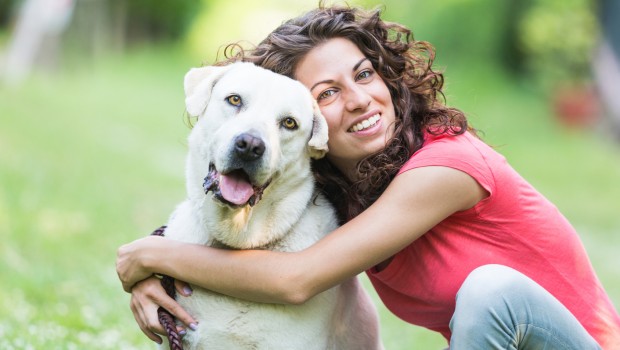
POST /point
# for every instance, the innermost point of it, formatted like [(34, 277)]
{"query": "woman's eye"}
[(364, 74), (234, 100), (289, 123), (325, 94)]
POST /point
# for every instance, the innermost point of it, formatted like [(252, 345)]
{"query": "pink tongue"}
[(235, 189)]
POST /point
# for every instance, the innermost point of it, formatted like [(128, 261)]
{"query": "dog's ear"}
[(317, 146), (198, 84)]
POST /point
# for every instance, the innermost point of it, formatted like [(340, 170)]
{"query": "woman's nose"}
[(357, 98)]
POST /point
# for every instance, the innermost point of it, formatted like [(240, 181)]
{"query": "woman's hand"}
[(135, 260), (147, 296)]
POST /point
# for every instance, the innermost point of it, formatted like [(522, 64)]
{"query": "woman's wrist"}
[(150, 254), (160, 257)]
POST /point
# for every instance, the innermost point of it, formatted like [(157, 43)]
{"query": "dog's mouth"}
[(233, 188)]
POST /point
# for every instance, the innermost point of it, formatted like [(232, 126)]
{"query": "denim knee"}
[(484, 293), (489, 281), (498, 307)]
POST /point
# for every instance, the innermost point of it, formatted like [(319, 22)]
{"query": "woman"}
[(452, 238)]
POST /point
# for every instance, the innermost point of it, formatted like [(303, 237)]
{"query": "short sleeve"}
[(463, 152)]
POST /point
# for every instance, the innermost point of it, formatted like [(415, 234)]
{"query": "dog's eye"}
[(289, 123), (234, 100)]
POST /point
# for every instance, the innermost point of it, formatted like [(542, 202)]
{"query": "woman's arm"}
[(412, 204)]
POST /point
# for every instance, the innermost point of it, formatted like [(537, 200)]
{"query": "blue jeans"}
[(500, 308)]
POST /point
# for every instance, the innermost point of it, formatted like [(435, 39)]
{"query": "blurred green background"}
[(92, 136)]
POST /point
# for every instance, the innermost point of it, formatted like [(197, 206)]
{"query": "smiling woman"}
[(344, 82), (439, 220)]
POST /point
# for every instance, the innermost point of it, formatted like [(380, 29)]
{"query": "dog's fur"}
[(239, 150)]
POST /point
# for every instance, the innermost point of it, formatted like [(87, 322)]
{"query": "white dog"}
[(249, 185)]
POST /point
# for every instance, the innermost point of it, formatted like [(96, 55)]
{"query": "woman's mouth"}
[(365, 124)]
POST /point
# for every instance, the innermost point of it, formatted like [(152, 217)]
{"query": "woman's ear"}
[(317, 146), (198, 84)]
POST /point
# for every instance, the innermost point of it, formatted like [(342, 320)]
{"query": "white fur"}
[(290, 216)]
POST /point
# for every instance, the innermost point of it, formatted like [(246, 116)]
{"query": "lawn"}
[(92, 157)]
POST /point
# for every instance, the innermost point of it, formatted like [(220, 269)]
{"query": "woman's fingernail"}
[(193, 326), (188, 291), (182, 332)]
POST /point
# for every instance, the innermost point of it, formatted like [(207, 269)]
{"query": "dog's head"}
[(253, 125)]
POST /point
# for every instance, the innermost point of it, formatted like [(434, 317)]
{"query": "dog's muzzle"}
[(233, 188)]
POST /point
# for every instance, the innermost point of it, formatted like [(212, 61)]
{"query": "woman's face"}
[(352, 97)]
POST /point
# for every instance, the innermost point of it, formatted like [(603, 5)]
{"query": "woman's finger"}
[(183, 288), (174, 308), (140, 317)]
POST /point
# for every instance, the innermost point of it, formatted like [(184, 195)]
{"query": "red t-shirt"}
[(514, 226)]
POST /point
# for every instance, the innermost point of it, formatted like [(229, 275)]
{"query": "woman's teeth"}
[(365, 124)]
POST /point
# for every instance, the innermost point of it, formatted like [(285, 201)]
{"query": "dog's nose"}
[(249, 147)]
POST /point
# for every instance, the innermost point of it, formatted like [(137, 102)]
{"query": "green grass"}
[(93, 157)]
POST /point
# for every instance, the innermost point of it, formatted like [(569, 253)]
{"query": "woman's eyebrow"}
[(358, 64), (329, 81)]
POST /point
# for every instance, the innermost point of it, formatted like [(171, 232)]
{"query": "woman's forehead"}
[(328, 60)]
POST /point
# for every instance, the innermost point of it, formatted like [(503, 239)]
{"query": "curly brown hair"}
[(402, 62)]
